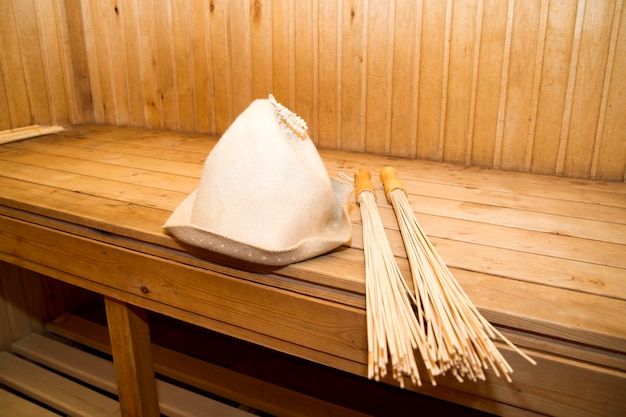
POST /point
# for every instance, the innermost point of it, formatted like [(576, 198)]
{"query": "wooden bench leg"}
[(132, 357)]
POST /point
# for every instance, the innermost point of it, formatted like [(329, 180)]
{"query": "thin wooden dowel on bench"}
[(26, 132)]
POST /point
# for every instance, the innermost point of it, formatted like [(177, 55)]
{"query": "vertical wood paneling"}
[(456, 111), (378, 70), (261, 47), (30, 50), (553, 89), (305, 80), (571, 82), (14, 82), (352, 77), (165, 61), (434, 39), (283, 60), (495, 64), (127, 24), (611, 159), (147, 65), (523, 70), (239, 46), (587, 92), (329, 98), (524, 85), (406, 42), (219, 41), (183, 64), (51, 52), (202, 65)]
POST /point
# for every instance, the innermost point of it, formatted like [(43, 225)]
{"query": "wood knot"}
[(144, 289)]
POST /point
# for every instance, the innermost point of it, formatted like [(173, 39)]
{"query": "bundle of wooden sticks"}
[(439, 321)]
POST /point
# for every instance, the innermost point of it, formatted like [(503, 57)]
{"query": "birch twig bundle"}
[(393, 330), (460, 336)]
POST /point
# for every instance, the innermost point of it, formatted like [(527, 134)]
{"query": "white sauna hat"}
[(265, 196)]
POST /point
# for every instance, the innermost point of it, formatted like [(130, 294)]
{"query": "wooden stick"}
[(25, 132)]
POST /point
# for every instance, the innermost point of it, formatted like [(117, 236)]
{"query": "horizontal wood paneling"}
[(533, 86)]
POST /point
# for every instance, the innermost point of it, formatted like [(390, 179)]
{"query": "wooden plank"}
[(464, 193), (49, 388), (601, 205), (506, 303), (14, 77), (514, 240), (407, 26), (378, 75), (220, 381), (78, 71), (329, 75), (79, 149), (132, 356), (30, 53), (458, 79), (563, 401), (221, 66), (100, 373), (144, 34), (596, 195), (588, 88), (13, 295), (13, 405), (202, 67), (165, 66), (610, 161), (261, 48), (518, 83), (239, 45), (183, 57), (353, 62), (305, 92)]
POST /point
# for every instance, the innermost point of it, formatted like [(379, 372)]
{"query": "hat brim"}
[(337, 233)]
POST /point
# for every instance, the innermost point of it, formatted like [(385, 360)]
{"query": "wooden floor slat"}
[(98, 372), (13, 405), (59, 393), (212, 378)]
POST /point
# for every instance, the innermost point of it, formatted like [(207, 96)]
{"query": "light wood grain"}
[(99, 372), (539, 255), (18, 406), (527, 86), (217, 380), (60, 393), (132, 357)]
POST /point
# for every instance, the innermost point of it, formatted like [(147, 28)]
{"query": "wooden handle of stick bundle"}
[(390, 181), (363, 181)]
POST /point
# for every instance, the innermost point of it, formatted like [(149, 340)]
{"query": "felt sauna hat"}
[(265, 196)]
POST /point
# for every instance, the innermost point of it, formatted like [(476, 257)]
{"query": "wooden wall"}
[(529, 85)]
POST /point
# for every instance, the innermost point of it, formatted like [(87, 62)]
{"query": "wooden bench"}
[(542, 257)]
